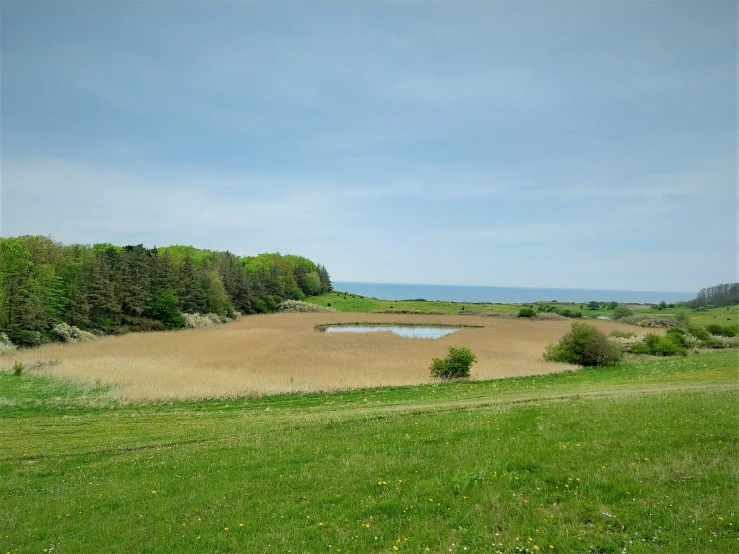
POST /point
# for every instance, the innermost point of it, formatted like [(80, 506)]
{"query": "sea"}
[(505, 295)]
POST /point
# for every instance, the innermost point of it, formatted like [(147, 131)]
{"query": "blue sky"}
[(549, 144)]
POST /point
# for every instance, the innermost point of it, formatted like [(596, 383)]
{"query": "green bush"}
[(456, 365), (713, 342), (683, 316), (677, 335), (699, 332), (267, 303), (24, 337), (527, 312), (18, 369), (669, 345), (722, 331), (584, 345), (621, 312), (622, 334)]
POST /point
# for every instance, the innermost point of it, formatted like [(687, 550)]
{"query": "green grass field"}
[(637, 458), (361, 304)]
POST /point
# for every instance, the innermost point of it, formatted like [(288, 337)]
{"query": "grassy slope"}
[(354, 303), (642, 457)]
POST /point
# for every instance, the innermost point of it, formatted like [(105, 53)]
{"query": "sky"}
[(533, 144)]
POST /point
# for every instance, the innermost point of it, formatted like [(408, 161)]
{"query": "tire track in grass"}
[(350, 415)]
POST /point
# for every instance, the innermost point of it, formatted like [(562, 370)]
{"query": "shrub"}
[(6, 347), (584, 345), (625, 344), (669, 345), (622, 334), (456, 365), (677, 335), (24, 337), (18, 369), (699, 332), (722, 331), (145, 325), (683, 317), (550, 316), (298, 306), (721, 342), (527, 312), (195, 321), (650, 321), (613, 305), (64, 332), (621, 312), (593, 305)]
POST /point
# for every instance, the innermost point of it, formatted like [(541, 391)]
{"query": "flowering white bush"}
[(650, 321), (195, 321), (298, 306), (64, 332), (6, 347), (724, 342), (625, 343), (549, 315)]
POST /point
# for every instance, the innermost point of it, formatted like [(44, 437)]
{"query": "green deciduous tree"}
[(164, 307)]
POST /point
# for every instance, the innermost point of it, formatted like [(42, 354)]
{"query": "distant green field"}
[(641, 457), (362, 304), (355, 303), (724, 316)]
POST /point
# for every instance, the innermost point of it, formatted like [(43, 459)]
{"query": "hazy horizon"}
[(538, 144), (335, 281)]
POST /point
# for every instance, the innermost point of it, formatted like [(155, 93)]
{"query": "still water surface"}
[(400, 330)]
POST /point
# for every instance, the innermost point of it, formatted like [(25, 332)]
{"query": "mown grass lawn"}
[(637, 458)]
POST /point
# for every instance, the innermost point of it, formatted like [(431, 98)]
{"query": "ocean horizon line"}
[(503, 294)]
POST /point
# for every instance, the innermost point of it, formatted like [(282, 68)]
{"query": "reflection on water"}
[(400, 330)]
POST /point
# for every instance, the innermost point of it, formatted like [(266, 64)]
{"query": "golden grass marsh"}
[(282, 352)]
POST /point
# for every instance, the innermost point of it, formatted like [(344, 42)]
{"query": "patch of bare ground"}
[(283, 352)]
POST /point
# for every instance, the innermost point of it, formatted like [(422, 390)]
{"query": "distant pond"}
[(408, 331)]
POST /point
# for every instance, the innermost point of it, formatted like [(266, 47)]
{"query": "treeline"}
[(718, 296), (117, 289)]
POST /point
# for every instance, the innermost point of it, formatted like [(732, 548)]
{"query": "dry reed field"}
[(284, 353)]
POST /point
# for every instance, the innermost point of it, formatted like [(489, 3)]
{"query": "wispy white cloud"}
[(394, 141)]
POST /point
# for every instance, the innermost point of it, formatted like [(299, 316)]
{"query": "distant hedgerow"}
[(527, 312), (621, 312)]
